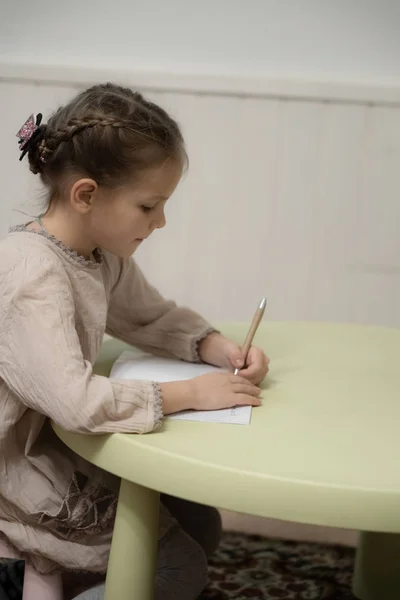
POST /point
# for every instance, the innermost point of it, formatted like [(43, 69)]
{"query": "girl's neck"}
[(69, 230)]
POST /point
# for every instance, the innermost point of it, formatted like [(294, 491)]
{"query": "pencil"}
[(252, 331)]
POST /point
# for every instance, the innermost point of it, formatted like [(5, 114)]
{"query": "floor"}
[(260, 568), (289, 531)]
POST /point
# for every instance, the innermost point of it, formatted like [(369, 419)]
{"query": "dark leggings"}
[(182, 552)]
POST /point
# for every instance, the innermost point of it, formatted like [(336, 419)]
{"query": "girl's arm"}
[(41, 359), (140, 316)]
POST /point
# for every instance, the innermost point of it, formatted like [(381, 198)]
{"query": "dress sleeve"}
[(140, 316), (41, 360)]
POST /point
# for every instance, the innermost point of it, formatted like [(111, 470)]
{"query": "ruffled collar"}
[(82, 261)]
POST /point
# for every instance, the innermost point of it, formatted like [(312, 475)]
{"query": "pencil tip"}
[(263, 303)]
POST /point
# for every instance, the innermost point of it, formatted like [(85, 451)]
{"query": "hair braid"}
[(76, 125), (109, 133)]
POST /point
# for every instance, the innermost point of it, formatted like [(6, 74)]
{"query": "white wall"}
[(294, 199), (334, 39), (293, 187)]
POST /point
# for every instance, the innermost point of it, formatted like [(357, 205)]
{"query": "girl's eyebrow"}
[(155, 198)]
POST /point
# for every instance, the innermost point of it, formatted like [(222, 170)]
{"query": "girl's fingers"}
[(255, 371), (250, 390), (245, 400), (238, 379), (250, 371)]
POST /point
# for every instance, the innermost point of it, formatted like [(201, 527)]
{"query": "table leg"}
[(377, 568), (132, 565)]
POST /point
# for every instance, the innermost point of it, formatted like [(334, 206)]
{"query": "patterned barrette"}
[(29, 134)]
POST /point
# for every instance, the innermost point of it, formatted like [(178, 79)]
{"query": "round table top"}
[(324, 448)]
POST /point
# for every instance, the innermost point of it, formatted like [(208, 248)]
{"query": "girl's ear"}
[(83, 194)]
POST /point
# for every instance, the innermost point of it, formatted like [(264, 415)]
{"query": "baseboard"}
[(296, 87), (298, 532)]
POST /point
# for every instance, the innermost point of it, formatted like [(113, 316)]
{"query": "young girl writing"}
[(110, 161)]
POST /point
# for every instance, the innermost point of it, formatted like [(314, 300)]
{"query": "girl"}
[(110, 161)]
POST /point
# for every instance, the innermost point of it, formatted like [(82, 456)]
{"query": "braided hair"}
[(108, 133)]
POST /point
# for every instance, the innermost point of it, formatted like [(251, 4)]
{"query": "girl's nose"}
[(160, 221)]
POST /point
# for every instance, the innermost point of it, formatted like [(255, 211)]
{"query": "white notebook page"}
[(136, 365)]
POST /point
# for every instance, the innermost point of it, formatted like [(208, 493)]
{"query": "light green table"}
[(323, 449)]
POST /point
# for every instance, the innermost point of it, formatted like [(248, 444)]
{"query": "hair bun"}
[(37, 154)]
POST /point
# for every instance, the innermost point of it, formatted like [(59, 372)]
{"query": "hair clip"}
[(29, 134)]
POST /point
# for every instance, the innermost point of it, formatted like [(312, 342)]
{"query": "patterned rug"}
[(247, 567)]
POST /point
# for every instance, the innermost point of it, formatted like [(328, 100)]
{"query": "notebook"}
[(136, 365)]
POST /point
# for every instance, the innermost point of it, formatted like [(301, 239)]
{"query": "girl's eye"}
[(146, 209)]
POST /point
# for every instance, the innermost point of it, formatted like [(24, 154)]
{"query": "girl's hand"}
[(257, 364), (223, 390), (217, 350), (208, 392)]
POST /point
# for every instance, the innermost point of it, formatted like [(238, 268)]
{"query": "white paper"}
[(240, 415), (136, 365)]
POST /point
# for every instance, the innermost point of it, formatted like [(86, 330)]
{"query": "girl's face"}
[(122, 219)]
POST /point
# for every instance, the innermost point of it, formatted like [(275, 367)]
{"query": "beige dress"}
[(56, 509)]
